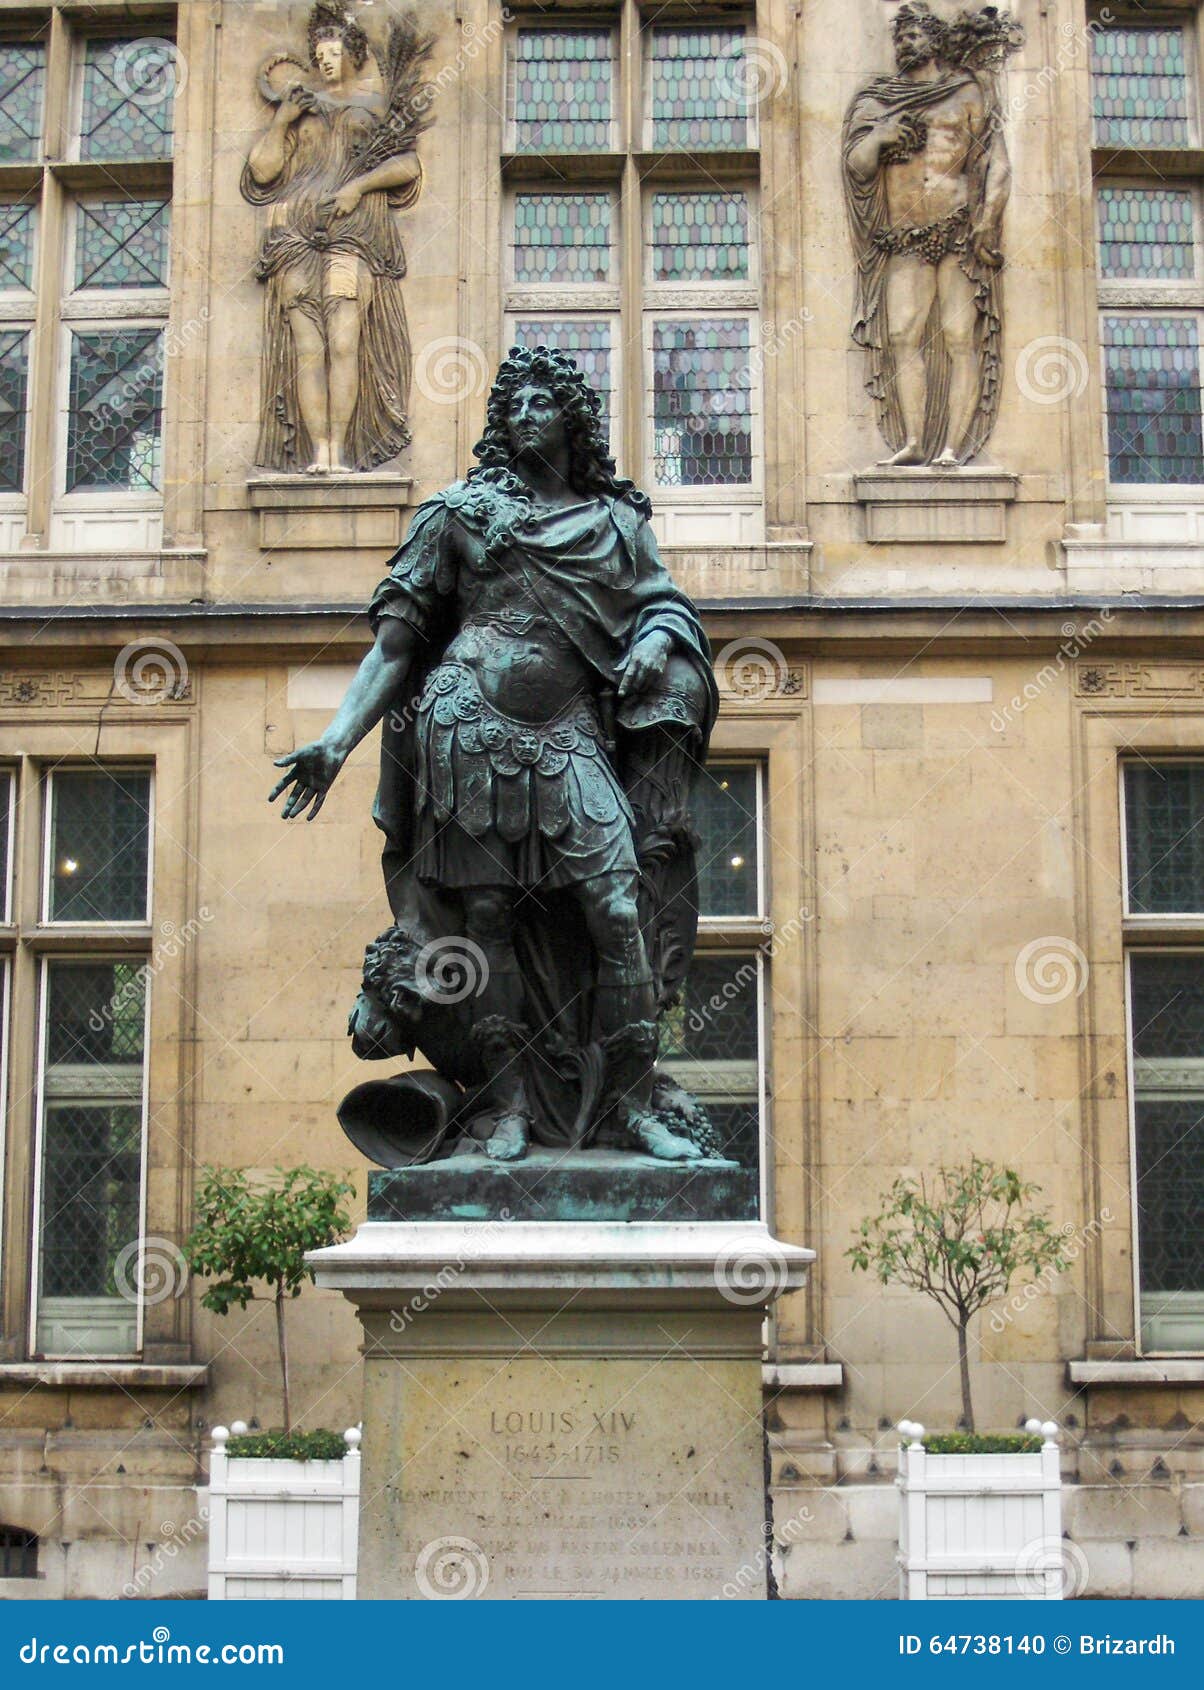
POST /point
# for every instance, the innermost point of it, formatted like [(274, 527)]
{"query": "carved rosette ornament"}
[(334, 166), (926, 179)]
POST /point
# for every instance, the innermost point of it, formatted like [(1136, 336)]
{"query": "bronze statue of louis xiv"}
[(546, 695)]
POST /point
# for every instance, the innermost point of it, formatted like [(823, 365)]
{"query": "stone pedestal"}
[(562, 1409)]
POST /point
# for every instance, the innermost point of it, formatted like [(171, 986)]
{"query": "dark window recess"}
[(18, 1553)]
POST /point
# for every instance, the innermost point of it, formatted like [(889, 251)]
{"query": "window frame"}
[(751, 492), (46, 922), (745, 23), (1122, 492), (78, 500), (1181, 21), (45, 962), (1145, 934), (525, 24)]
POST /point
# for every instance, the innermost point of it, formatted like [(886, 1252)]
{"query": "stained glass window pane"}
[(700, 90), (14, 386), (710, 1044), (121, 244), (562, 90), (99, 844), (18, 224), (114, 424), (1152, 367), (1139, 88), (700, 237), (128, 99), (1168, 1067), (91, 1164), (701, 402), (1164, 838), (725, 816), (22, 82), (1147, 232), (562, 238), (588, 341)]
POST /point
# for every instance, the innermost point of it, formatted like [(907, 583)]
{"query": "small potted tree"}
[(272, 1494), (980, 1513)]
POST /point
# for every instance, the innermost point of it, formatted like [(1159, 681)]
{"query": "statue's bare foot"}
[(650, 1135), (341, 469), (315, 469), (908, 456), (511, 1137), (947, 460)]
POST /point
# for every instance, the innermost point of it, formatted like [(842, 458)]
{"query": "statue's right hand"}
[(311, 771)]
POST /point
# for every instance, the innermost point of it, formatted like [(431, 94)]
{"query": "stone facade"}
[(957, 662)]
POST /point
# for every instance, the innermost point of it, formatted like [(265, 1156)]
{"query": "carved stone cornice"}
[(1102, 679)]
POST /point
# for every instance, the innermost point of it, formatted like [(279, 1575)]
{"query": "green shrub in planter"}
[(981, 1443), (289, 1446)]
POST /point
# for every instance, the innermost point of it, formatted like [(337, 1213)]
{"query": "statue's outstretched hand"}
[(645, 664), (311, 771)]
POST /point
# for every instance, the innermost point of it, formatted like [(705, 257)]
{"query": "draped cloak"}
[(593, 572), (866, 204)]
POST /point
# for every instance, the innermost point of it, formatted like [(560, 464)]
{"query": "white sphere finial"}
[(220, 1434), (352, 1437)]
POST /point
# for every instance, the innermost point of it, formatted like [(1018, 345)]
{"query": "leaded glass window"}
[(700, 237), (563, 237), (1152, 371), (127, 108), (22, 85), (121, 243), (18, 225), (91, 1156), (701, 402), (726, 815), (699, 90), (711, 1044), (14, 388), (1147, 233), (589, 341), (99, 845), (1140, 91), (561, 85), (1164, 838), (114, 419), (1167, 1014)]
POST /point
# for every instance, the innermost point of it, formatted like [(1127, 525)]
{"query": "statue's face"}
[(328, 51), (915, 43), (534, 420)]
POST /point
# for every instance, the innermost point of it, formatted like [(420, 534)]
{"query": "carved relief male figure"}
[(927, 178), (336, 161)]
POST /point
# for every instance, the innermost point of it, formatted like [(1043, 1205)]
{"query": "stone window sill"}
[(105, 1375), (1140, 1374)]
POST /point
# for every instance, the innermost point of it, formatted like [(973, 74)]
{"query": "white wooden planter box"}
[(980, 1525), (283, 1530)]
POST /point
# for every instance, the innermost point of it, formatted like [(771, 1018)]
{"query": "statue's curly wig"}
[(916, 11), (591, 467), (329, 18)]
